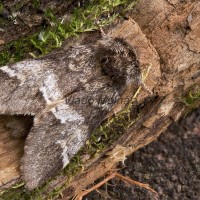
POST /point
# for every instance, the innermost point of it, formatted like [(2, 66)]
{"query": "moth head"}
[(118, 60)]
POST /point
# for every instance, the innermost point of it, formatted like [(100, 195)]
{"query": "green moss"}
[(92, 16), (15, 51), (36, 4), (88, 18), (1, 6), (191, 99), (18, 192)]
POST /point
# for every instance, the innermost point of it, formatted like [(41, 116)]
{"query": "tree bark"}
[(166, 37)]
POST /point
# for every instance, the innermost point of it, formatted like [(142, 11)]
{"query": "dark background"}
[(170, 165)]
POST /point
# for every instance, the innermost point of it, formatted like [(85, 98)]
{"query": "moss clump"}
[(36, 4), (15, 51), (1, 6), (92, 16), (191, 99)]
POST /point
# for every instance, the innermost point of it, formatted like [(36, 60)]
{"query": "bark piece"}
[(170, 27), (11, 149)]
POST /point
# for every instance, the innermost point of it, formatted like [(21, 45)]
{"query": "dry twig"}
[(113, 175)]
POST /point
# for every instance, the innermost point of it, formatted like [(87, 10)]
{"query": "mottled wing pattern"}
[(60, 132), (19, 87), (28, 86), (77, 88)]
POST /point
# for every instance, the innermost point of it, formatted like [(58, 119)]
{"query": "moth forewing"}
[(54, 89)]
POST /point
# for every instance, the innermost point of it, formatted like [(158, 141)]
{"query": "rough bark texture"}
[(166, 36), (9, 168), (158, 164)]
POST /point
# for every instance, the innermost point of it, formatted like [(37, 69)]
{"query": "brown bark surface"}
[(10, 151), (166, 37)]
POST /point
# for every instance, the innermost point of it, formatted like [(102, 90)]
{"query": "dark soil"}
[(170, 165)]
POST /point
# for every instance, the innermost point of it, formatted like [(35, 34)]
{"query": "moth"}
[(69, 94)]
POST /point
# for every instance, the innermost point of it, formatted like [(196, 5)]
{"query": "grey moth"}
[(68, 94)]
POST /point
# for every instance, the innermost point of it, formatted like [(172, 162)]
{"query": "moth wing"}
[(51, 144), (19, 87), (60, 132), (28, 86)]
